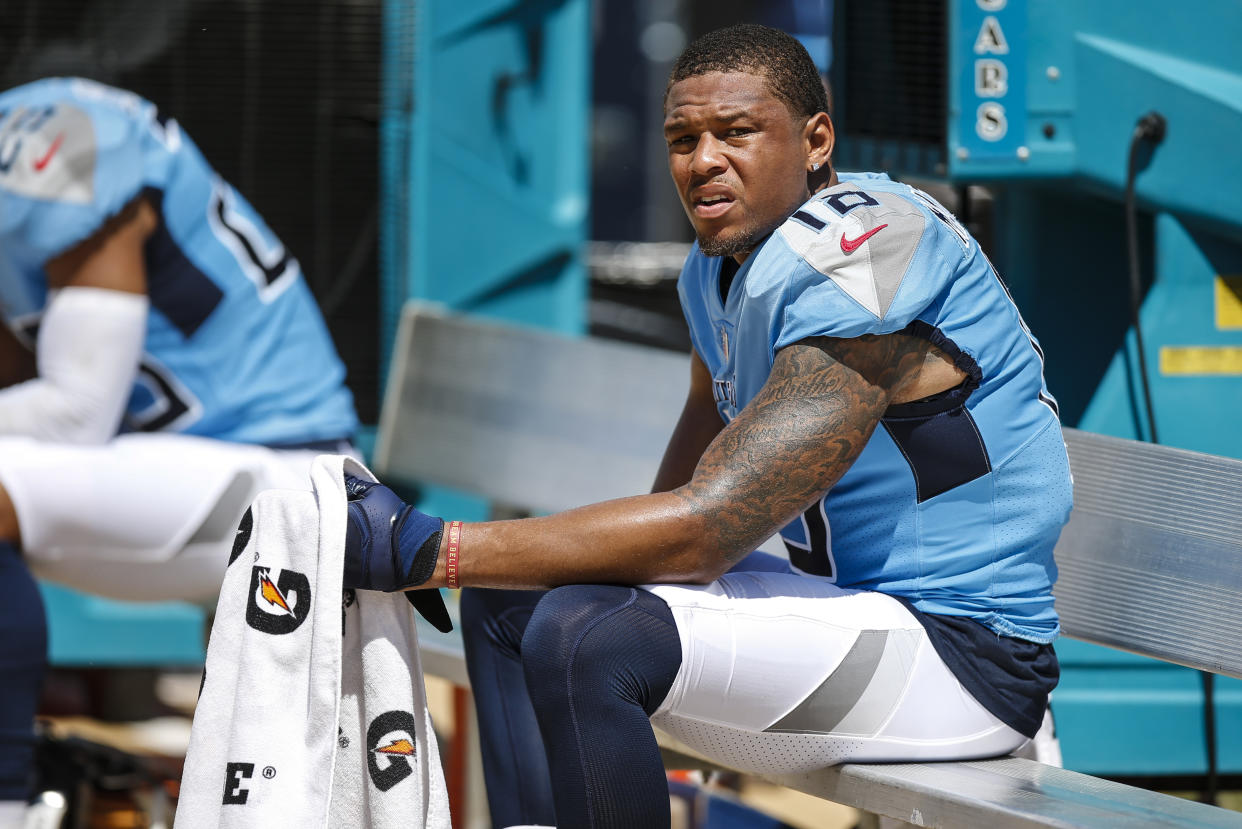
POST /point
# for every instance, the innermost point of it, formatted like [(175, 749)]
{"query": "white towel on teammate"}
[(312, 711)]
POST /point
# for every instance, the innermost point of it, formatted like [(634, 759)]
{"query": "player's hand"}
[(391, 546)]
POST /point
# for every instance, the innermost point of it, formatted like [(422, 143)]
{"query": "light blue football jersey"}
[(955, 502), (235, 346)]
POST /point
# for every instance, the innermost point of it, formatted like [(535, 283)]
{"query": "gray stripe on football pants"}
[(859, 696)]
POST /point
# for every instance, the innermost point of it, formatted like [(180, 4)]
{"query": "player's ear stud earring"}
[(815, 167)]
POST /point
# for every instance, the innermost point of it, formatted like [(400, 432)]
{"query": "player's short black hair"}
[(769, 53)]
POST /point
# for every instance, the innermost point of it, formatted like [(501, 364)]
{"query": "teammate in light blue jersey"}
[(163, 361), (235, 347)]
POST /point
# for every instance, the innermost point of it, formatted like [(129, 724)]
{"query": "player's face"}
[(738, 157)]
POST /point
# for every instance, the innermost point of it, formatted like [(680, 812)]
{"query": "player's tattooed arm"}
[(798, 436), (787, 447)]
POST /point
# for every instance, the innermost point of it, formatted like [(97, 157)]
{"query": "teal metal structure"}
[(1044, 98), (485, 136)]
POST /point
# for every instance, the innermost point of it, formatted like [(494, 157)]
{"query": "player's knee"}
[(597, 641), (566, 616)]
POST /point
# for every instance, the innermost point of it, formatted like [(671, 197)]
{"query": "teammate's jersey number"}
[(269, 266)]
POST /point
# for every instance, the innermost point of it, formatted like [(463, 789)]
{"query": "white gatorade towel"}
[(312, 711)]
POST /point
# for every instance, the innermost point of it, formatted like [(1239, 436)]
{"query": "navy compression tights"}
[(577, 670), (23, 657)]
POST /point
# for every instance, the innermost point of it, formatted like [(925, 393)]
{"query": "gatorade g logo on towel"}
[(278, 605), (390, 741)]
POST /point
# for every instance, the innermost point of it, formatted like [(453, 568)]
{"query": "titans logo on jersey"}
[(235, 347), (955, 502)]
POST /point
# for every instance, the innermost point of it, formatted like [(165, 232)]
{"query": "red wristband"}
[(454, 547)]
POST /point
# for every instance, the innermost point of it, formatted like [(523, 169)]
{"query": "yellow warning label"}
[(1228, 302), (1201, 359)]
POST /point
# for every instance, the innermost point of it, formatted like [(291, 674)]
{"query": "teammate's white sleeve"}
[(90, 341)]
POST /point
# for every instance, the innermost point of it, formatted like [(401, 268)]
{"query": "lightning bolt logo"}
[(402, 746), (280, 601), (271, 594)]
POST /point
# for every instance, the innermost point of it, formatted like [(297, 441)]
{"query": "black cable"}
[(1211, 786), (1151, 128)]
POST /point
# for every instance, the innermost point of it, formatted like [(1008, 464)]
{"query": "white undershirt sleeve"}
[(89, 345)]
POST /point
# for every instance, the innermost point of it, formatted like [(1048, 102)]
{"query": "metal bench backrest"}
[(523, 416), (1151, 561)]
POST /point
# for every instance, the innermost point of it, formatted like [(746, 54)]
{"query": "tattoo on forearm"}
[(798, 436)]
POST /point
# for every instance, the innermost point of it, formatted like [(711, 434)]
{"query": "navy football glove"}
[(391, 546)]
